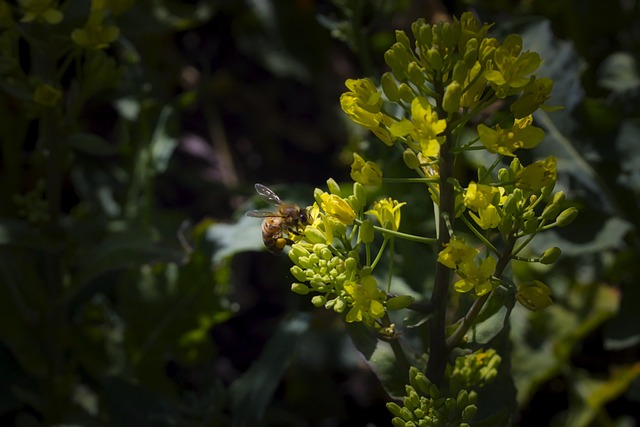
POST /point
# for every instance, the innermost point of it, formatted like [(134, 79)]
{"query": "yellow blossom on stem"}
[(479, 196), (362, 103), (367, 299), (365, 172), (476, 277), (387, 212), (487, 218), (95, 34), (505, 141), (509, 70), (424, 127), (537, 175), (456, 252), (338, 208), (41, 11)]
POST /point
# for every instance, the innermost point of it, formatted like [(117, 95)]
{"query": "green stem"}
[(479, 235), (392, 233), (379, 255), (438, 351)]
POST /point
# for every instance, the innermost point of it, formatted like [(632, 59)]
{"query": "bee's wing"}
[(268, 194), (262, 214)]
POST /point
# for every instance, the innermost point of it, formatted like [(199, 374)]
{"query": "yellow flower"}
[(46, 95), (509, 71), (338, 208), (534, 295), (367, 299), (487, 218), (387, 212), (456, 253), (479, 196), (474, 277), (366, 173), (41, 11), (362, 103), (94, 34), (537, 175), (427, 126), (505, 141)]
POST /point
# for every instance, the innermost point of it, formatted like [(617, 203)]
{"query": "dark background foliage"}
[(143, 296)]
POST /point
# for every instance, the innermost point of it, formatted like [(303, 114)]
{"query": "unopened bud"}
[(366, 231), (460, 72), (318, 300), (390, 87), (415, 73), (333, 186), (411, 159), (550, 256), (300, 288), (435, 59), (400, 302), (406, 94), (451, 99), (469, 412), (566, 217)]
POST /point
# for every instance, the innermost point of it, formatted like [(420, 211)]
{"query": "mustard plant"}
[(431, 106)]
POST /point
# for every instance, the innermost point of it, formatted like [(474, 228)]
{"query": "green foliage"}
[(114, 312)]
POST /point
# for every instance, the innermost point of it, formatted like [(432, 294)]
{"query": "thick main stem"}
[(439, 353)]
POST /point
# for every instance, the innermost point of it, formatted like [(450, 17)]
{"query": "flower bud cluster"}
[(425, 404), (326, 259)]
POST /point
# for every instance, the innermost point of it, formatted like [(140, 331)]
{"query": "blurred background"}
[(134, 291)]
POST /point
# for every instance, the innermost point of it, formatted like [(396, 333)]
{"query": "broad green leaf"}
[(493, 317), (251, 394), (230, 239), (387, 359)]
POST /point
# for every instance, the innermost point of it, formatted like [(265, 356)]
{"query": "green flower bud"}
[(451, 100), (449, 34), (503, 175), (334, 188), (566, 217), (314, 235), (530, 225), (426, 36), (406, 414), (463, 399), (412, 400), (390, 87), (299, 288), (450, 405), (360, 194), (350, 264), (406, 94), (460, 72), (415, 73), (418, 380), (434, 59), (339, 305), (298, 273), (400, 302), (471, 52), (534, 295), (469, 412), (411, 159), (394, 409), (398, 422), (506, 224), (473, 397), (318, 300), (366, 231), (550, 256), (401, 37)]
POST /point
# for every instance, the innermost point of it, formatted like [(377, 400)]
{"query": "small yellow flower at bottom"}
[(367, 299)]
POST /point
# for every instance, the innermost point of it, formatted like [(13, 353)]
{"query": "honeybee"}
[(278, 226)]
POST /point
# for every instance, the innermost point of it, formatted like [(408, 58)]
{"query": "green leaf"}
[(14, 232), (387, 359), (493, 317), (130, 248), (230, 239), (251, 394), (91, 143)]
